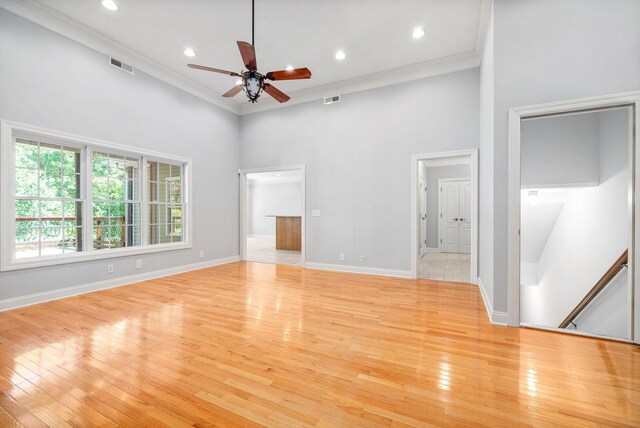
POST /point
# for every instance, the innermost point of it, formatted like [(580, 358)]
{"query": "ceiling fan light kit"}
[(251, 81)]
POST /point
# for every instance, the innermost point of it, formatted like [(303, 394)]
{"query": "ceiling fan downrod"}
[(253, 21)]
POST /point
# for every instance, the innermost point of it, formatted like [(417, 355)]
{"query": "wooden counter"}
[(288, 233)]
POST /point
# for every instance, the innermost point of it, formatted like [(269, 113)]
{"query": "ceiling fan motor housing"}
[(253, 84)]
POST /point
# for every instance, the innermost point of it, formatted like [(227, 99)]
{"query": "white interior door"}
[(449, 207), (465, 217), (423, 214)]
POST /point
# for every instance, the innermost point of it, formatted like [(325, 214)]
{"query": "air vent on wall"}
[(121, 65), (331, 100)]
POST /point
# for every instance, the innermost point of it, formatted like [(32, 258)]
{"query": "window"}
[(48, 203), (174, 210), (164, 187), (76, 199), (116, 202)]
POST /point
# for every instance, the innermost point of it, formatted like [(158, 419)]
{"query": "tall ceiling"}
[(374, 34)]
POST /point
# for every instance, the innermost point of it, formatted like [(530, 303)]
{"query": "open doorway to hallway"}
[(436, 218), (273, 213), (444, 193)]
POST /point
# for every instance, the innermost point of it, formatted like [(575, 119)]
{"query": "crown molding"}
[(483, 25), (394, 76), (74, 30)]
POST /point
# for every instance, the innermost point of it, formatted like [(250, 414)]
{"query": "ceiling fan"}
[(251, 81)]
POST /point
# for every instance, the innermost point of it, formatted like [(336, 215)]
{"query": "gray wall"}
[(560, 151), (435, 173), (272, 199), (49, 81), (549, 50), (358, 160)]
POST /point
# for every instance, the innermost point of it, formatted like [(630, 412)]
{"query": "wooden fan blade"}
[(233, 91), (215, 70), (297, 73), (248, 53), (276, 93)]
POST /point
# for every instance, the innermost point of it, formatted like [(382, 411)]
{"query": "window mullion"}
[(87, 193), (142, 190)]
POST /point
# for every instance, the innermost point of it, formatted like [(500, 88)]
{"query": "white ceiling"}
[(375, 34)]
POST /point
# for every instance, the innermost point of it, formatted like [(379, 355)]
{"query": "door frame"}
[(422, 249), (575, 106), (440, 181), (244, 205), (472, 154)]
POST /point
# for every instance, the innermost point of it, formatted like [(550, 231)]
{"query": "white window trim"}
[(9, 130)]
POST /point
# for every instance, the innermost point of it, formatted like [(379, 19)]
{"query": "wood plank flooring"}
[(252, 344)]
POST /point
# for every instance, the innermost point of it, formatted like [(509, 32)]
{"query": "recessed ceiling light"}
[(238, 82), (289, 68), (417, 33), (278, 175), (189, 52), (109, 4), (340, 55)]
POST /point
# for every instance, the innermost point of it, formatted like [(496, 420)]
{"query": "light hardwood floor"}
[(248, 344)]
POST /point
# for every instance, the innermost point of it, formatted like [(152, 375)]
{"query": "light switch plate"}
[(315, 213)]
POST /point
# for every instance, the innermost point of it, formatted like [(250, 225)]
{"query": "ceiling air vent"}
[(121, 65), (331, 100)]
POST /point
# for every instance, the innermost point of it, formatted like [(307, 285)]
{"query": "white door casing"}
[(423, 214)]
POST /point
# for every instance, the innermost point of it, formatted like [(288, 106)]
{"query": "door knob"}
[(455, 219)]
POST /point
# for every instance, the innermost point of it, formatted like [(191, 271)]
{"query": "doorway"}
[(444, 244), (272, 215), (572, 198)]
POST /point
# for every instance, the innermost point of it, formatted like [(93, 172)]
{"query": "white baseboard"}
[(359, 269), (500, 318), (496, 317), (61, 293)]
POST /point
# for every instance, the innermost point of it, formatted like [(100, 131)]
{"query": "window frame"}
[(11, 130)]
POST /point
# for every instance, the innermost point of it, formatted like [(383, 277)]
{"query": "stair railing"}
[(602, 283)]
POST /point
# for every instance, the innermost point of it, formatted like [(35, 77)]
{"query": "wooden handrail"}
[(615, 268)]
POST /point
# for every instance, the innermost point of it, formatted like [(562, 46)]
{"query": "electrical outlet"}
[(109, 268), (202, 254), (363, 258), (341, 257), (138, 264)]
